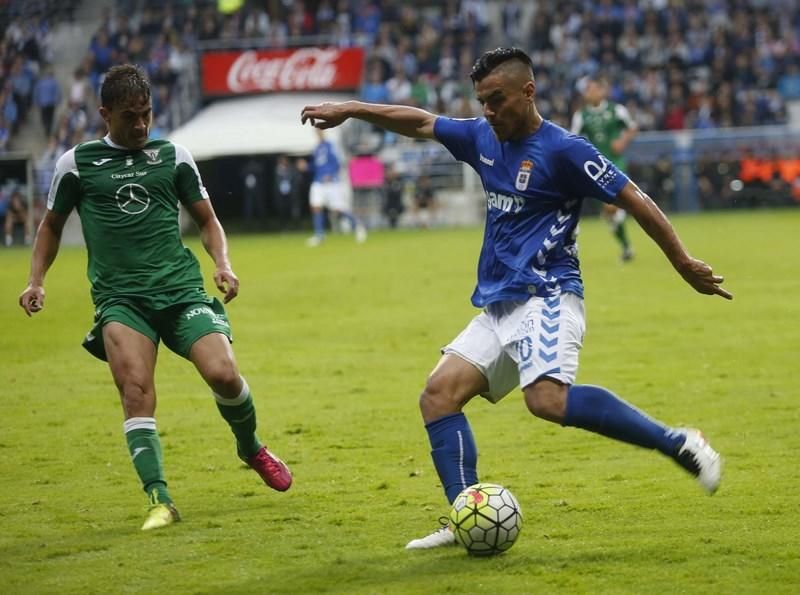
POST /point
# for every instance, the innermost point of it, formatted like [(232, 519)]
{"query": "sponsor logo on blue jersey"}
[(507, 204)]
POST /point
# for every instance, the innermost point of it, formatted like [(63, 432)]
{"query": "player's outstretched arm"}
[(401, 119), (695, 272), (216, 244), (45, 249), (621, 143)]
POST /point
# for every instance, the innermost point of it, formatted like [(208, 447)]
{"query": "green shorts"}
[(178, 326)]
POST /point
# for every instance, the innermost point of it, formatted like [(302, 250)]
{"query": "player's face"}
[(595, 92), (507, 103), (129, 123)]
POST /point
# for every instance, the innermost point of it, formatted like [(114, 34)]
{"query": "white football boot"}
[(361, 234), (443, 536), (699, 459)]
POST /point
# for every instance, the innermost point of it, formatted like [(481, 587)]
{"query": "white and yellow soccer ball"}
[(486, 519)]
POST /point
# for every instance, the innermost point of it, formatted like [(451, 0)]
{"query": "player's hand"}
[(32, 299), (618, 146), (227, 282), (700, 276), (324, 115)]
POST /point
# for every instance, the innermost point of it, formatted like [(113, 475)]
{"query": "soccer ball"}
[(486, 519)]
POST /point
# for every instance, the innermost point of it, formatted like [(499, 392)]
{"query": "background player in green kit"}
[(610, 128), (146, 285)]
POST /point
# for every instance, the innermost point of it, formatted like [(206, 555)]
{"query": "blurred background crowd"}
[(675, 64)]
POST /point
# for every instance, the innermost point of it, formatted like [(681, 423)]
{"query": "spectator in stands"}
[(511, 19), (399, 86), (46, 166), (17, 227), (424, 202), (21, 80), (8, 108), (675, 113), (5, 134), (394, 188), (375, 89), (102, 53), (46, 97), (287, 193), (254, 197), (5, 200), (789, 82), (79, 89)]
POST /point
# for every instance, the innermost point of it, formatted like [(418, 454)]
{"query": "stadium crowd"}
[(675, 64)]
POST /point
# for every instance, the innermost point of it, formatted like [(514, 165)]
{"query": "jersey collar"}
[(107, 140), (599, 107)]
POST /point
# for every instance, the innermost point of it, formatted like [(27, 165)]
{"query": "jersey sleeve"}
[(65, 188), (458, 136), (623, 115), (577, 122), (187, 177), (583, 171)]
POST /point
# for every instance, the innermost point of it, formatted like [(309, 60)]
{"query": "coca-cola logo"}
[(310, 68)]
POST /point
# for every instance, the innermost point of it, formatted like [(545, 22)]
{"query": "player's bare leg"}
[(213, 357), (132, 359)]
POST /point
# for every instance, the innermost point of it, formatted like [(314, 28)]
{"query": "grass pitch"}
[(336, 343)]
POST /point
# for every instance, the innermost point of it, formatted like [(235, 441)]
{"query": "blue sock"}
[(319, 223), (597, 409), (454, 453), (350, 218)]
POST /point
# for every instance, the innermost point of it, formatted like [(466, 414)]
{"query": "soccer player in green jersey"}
[(146, 285), (610, 128)]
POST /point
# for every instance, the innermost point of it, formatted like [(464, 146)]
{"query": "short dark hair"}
[(123, 84), (598, 77), (494, 58)]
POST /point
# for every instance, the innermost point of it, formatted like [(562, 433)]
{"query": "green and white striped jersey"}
[(128, 202)]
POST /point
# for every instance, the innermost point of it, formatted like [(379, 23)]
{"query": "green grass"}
[(336, 343)]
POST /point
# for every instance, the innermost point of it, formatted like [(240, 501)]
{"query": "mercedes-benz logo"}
[(133, 199)]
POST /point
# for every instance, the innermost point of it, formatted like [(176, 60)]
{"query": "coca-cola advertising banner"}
[(304, 69)]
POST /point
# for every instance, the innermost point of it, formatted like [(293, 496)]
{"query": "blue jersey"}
[(534, 191), (326, 165)]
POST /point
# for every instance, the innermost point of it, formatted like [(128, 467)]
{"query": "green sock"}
[(145, 448), (621, 234), (240, 413)]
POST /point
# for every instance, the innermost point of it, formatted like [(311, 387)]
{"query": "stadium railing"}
[(684, 171)]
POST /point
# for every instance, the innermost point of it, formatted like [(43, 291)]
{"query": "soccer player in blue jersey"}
[(529, 288), (327, 192)]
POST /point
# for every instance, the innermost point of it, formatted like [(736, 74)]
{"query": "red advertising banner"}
[(302, 69)]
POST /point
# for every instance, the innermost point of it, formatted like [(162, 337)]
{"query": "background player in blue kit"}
[(328, 192), (532, 323)]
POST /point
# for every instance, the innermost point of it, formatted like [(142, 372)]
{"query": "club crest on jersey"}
[(152, 156), (524, 174)]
